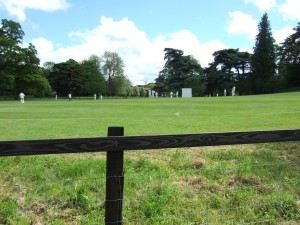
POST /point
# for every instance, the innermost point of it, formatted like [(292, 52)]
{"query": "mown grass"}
[(241, 184), (41, 119)]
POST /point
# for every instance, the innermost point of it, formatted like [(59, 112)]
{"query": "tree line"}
[(95, 75), (20, 70), (271, 68)]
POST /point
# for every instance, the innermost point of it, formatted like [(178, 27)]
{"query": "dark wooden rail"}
[(115, 143)]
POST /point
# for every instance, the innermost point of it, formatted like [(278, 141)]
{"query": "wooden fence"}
[(116, 143)]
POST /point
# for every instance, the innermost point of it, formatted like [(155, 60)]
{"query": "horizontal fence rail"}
[(115, 143)]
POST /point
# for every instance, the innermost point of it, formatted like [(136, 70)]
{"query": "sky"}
[(140, 30)]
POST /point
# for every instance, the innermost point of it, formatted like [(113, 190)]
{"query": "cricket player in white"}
[(21, 95)]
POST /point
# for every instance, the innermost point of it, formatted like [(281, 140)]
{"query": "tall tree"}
[(213, 79), (226, 60), (48, 68), (161, 82), (11, 35), (121, 86), (112, 67), (170, 77), (263, 60), (95, 82), (179, 72), (289, 59), (232, 66), (67, 77), (19, 66)]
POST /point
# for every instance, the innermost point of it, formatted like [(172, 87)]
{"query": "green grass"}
[(42, 119), (240, 184)]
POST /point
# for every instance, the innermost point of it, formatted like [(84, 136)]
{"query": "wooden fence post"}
[(114, 182)]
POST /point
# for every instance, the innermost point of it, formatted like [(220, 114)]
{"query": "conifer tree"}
[(263, 59)]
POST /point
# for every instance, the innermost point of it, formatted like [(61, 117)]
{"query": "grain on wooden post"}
[(114, 181)]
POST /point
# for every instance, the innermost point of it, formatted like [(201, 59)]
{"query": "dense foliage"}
[(263, 60), (269, 69), (289, 59), (19, 66), (20, 70), (180, 71)]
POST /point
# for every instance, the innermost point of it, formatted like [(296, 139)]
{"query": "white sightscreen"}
[(186, 92)]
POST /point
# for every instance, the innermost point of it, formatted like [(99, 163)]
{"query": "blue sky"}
[(139, 30)]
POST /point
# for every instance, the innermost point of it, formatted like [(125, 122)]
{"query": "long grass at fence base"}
[(243, 184)]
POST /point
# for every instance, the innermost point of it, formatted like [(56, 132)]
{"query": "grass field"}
[(240, 184), (43, 119)]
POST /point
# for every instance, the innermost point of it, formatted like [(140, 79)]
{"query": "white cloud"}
[(17, 8), (189, 43), (290, 10), (44, 48), (281, 35), (143, 58), (242, 24), (246, 49), (263, 5)]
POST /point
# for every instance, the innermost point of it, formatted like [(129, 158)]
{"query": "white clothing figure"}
[(95, 96), (233, 91), (224, 92), (70, 97), (176, 94), (21, 95), (55, 97), (100, 97), (171, 94)]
